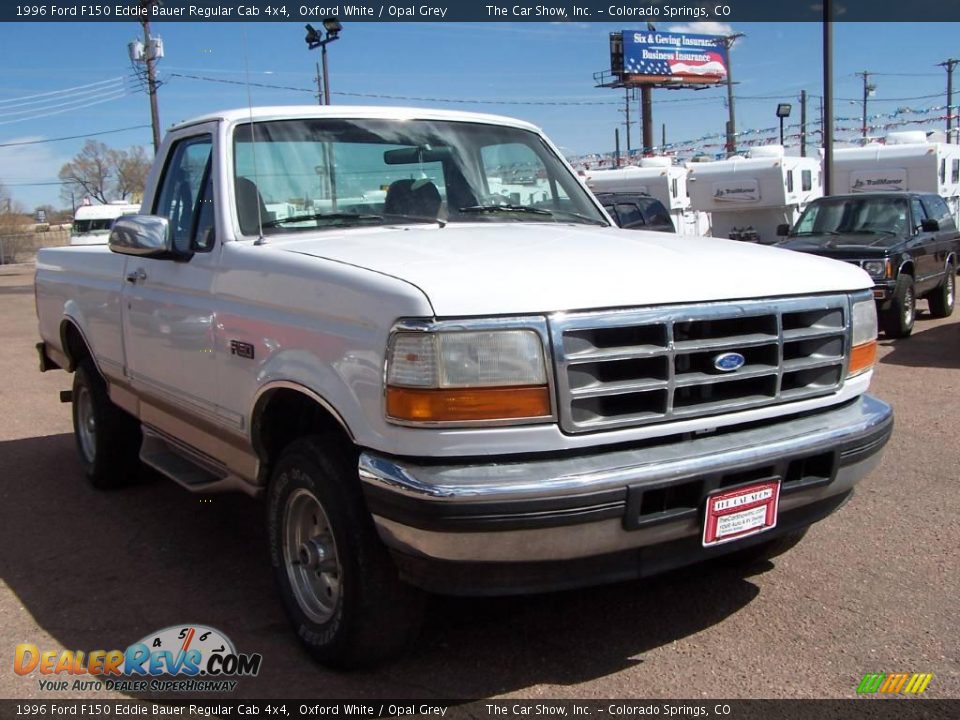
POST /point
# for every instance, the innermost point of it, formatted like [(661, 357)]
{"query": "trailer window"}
[(955, 171), (789, 181), (943, 170), (806, 180)]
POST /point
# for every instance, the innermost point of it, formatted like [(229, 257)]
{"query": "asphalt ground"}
[(873, 588)]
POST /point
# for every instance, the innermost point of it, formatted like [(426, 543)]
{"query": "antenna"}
[(253, 143)]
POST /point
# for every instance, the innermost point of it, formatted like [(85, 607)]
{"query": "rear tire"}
[(108, 439), (943, 299), (340, 588), (898, 320)]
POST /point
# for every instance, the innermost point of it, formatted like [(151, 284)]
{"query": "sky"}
[(68, 79)]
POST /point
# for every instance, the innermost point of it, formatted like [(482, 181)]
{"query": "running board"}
[(188, 467)]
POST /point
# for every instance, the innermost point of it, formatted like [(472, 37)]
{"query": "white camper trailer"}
[(749, 197), (659, 178), (907, 162), (92, 223)]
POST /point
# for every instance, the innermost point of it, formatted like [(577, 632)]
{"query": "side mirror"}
[(783, 230), (144, 236), (930, 225)]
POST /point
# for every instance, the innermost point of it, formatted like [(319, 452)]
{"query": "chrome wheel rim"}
[(310, 556), (86, 424), (908, 307)]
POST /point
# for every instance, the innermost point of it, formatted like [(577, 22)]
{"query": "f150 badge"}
[(245, 350), (729, 362)]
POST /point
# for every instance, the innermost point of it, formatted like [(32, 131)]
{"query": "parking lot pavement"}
[(873, 588)]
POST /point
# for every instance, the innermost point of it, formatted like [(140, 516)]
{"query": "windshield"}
[(100, 226), (854, 215), (326, 173)]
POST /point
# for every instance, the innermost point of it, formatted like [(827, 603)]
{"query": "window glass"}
[(955, 171), (919, 214), (790, 181), (656, 213), (938, 209), (179, 198), (806, 180), (318, 173), (629, 214)]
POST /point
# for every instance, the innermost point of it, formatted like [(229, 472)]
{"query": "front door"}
[(169, 314)]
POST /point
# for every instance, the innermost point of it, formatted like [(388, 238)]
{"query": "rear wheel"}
[(108, 439), (943, 298), (339, 586), (899, 318)]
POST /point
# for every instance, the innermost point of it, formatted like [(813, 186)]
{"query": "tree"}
[(105, 174), (131, 168), (89, 172)]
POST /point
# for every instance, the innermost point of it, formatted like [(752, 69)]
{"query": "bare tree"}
[(131, 168), (89, 172)]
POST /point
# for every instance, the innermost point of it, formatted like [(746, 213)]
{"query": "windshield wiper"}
[(320, 216), (505, 208)]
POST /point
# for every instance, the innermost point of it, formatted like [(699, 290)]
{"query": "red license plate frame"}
[(735, 513)]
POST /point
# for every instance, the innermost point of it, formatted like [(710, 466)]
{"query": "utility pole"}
[(626, 110), (616, 144), (949, 65), (827, 115), (663, 138), (319, 86), (803, 123), (149, 49), (646, 103), (728, 42), (867, 92)]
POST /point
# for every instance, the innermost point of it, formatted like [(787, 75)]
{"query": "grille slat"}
[(793, 349)]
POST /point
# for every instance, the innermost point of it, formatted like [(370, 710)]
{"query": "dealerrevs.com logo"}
[(180, 658)]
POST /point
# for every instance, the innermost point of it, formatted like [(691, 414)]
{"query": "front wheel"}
[(108, 439), (339, 587), (943, 298), (899, 318)]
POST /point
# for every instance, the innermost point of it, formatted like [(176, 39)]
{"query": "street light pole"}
[(867, 91), (332, 28), (949, 65), (728, 42)]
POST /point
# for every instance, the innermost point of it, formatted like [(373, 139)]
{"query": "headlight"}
[(864, 322), (466, 376), (876, 268)]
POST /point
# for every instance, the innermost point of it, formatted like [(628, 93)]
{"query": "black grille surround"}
[(635, 367)]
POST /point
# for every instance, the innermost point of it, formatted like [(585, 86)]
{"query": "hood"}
[(518, 268), (862, 243)]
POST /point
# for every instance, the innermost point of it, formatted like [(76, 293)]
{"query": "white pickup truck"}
[(439, 386)]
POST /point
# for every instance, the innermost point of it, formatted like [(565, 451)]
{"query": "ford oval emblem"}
[(729, 362)]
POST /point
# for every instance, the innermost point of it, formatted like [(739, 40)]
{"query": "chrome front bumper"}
[(574, 507)]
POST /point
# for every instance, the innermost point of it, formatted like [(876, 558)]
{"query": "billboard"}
[(673, 56)]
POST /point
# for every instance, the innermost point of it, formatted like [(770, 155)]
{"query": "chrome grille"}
[(638, 367)]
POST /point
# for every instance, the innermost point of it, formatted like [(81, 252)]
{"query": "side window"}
[(806, 180), (938, 209), (943, 170), (674, 188), (789, 181), (180, 199), (630, 215), (612, 213), (919, 215), (955, 171), (658, 214)]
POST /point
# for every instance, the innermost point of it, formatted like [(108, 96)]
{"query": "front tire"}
[(108, 439), (898, 320), (339, 587), (943, 299)]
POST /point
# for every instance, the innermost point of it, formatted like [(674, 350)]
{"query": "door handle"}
[(136, 276)]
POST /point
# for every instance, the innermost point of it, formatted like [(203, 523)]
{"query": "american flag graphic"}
[(713, 66)]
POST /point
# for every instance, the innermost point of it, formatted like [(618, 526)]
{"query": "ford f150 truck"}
[(437, 387)]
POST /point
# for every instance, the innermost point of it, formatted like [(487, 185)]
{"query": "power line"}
[(61, 91), (72, 101), (72, 137), (117, 96)]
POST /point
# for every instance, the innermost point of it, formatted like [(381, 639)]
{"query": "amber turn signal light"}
[(862, 358), (467, 404)]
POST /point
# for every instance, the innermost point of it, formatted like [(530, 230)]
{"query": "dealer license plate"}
[(734, 514)]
